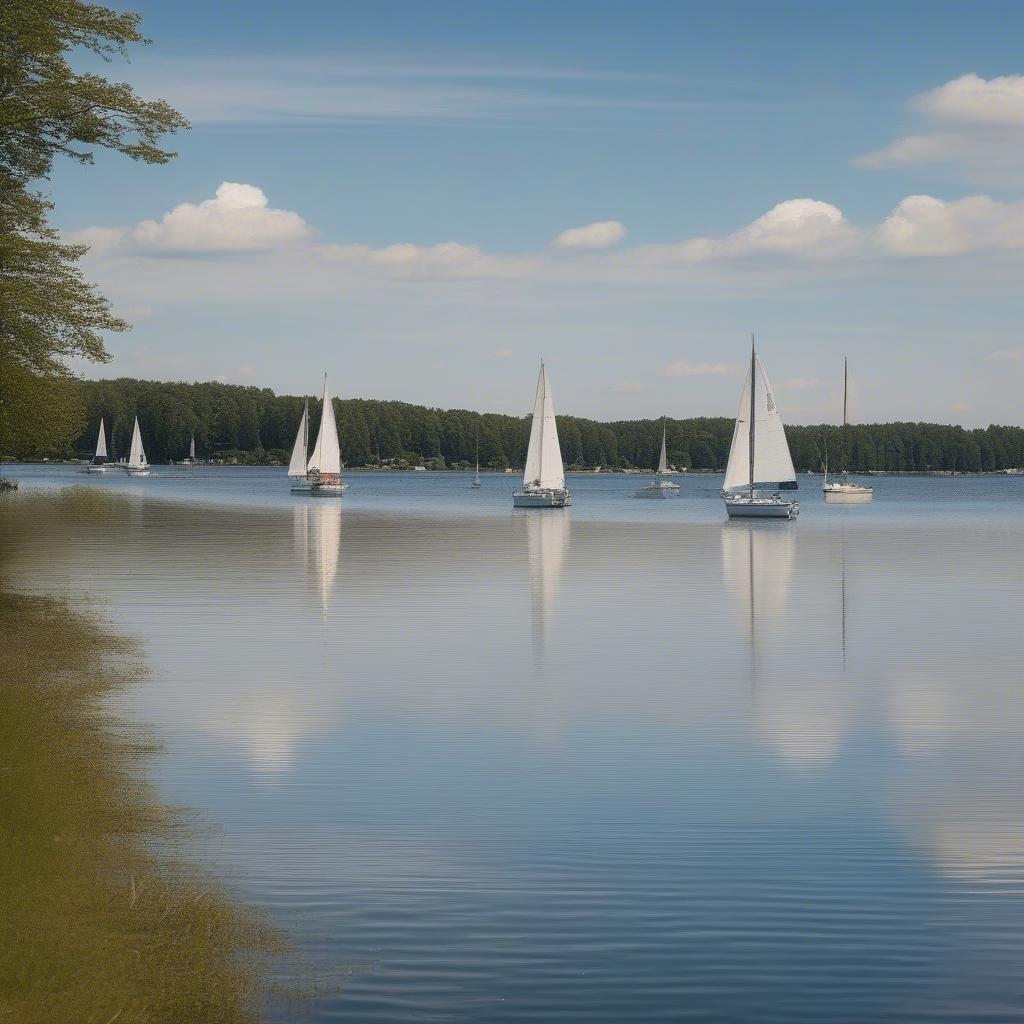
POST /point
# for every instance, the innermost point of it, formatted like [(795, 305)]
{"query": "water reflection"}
[(317, 537), (547, 543)]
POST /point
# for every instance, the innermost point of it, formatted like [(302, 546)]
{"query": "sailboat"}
[(543, 478), (759, 458), (191, 460), (660, 488), (297, 463), (137, 464), (99, 460), (323, 471), (842, 492), (476, 478)]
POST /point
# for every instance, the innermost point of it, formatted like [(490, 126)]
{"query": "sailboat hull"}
[(541, 499), (662, 489), (761, 508), (137, 471), (847, 494), (95, 469)]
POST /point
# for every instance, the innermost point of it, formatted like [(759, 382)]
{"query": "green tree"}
[(48, 311)]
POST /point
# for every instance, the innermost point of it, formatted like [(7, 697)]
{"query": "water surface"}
[(625, 762)]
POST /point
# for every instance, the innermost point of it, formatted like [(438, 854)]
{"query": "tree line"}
[(249, 424)]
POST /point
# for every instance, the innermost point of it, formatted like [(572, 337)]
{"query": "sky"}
[(425, 199)]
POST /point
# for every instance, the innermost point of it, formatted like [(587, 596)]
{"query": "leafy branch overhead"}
[(48, 311)]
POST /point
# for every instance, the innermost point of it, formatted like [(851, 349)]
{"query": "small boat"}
[(137, 464), (99, 460), (660, 488), (190, 462), (544, 477), (476, 479), (323, 471), (759, 458), (842, 491), (297, 463)]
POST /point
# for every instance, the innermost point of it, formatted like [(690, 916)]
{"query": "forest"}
[(241, 424)]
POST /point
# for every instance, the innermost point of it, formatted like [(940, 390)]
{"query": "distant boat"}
[(842, 492), (476, 479), (544, 477), (297, 463), (99, 460), (660, 488), (759, 458), (137, 465), (323, 471), (191, 460)]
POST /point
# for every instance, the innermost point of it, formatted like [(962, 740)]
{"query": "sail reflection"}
[(547, 540), (316, 531), (798, 717)]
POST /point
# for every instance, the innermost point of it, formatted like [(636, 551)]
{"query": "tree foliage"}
[(231, 419), (48, 311)]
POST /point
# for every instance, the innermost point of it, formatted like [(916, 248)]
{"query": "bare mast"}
[(753, 378)]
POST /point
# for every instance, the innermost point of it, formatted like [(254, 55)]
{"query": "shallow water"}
[(626, 762)]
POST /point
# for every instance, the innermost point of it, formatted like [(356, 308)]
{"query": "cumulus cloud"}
[(926, 226), (238, 219), (444, 260), (977, 123), (796, 228), (599, 235), (681, 368), (1005, 355)]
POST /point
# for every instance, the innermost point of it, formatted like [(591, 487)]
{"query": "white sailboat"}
[(759, 458), (544, 477), (660, 488), (297, 463), (476, 478), (191, 460), (842, 491), (99, 460), (323, 471), (137, 464)]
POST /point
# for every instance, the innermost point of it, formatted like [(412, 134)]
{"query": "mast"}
[(753, 384), (845, 381)]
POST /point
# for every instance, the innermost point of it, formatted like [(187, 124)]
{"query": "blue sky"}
[(401, 176)]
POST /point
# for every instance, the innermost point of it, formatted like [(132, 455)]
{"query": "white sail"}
[(192, 449), (297, 464), (663, 460), (326, 457), (773, 466), (101, 444), (137, 454), (544, 456)]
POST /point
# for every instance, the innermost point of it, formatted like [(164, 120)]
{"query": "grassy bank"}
[(99, 921)]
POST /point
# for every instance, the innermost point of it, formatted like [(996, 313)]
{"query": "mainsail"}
[(326, 457), (663, 460), (544, 457), (137, 454), (297, 464), (101, 446), (766, 446), (192, 449)]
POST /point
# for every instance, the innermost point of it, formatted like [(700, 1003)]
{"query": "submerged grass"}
[(99, 920)]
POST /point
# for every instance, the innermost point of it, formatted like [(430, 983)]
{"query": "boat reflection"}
[(547, 542), (317, 538)]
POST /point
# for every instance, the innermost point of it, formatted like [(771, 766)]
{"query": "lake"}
[(625, 762)]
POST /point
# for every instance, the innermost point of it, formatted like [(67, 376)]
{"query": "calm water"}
[(626, 763)]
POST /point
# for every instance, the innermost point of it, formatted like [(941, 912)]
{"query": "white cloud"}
[(1005, 355), (975, 100), (449, 260), (680, 368), (238, 219), (599, 235), (978, 124), (926, 226), (801, 383), (626, 386), (797, 228)]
